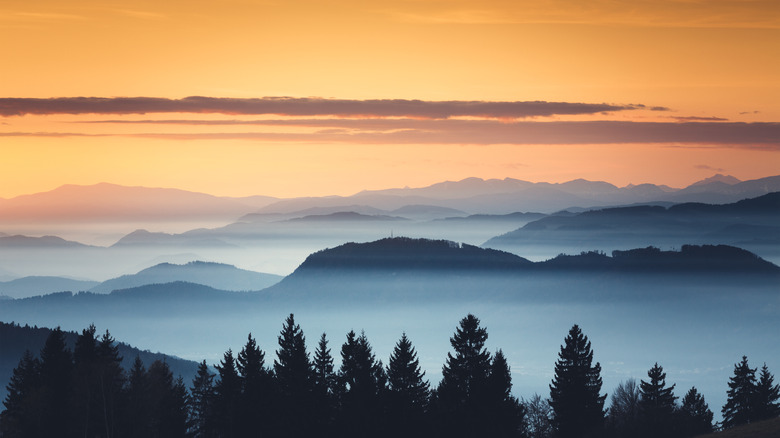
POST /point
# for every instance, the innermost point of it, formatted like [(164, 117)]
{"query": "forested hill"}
[(405, 254), (16, 339)]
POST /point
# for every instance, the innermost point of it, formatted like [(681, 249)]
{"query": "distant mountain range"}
[(750, 223), (114, 203), (214, 275)]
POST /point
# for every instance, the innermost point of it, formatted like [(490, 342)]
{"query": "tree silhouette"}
[(111, 381), (168, 403), (362, 384), (56, 389), (227, 391), (656, 403), (324, 386), (623, 417), (462, 391), (766, 396), (137, 406), (503, 412), (21, 415), (739, 408), (408, 393), (695, 415), (538, 417), (574, 392), (202, 399), (293, 372), (256, 411)]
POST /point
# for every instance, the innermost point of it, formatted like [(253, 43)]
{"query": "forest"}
[(84, 392)]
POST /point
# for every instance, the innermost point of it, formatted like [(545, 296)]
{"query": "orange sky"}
[(704, 63)]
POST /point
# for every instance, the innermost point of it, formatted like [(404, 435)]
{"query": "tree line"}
[(86, 393)]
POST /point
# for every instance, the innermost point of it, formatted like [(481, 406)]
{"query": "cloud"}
[(300, 107), (706, 167), (700, 119), (456, 131)]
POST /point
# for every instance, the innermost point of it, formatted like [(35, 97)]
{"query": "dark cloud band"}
[(302, 107)]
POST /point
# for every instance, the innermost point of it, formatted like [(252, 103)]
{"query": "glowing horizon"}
[(373, 97)]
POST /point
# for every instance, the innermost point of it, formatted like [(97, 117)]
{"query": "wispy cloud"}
[(456, 131), (706, 167), (289, 106)]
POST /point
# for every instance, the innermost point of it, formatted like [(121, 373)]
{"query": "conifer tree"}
[(19, 418), (324, 385), (293, 372), (137, 407), (695, 415), (739, 408), (56, 387), (168, 403), (111, 381), (227, 392), (767, 395), (574, 392), (504, 413), (656, 403), (86, 387), (257, 415), (463, 387), (361, 385), (201, 406), (407, 391)]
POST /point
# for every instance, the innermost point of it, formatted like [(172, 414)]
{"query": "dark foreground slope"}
[(16, 339), (761, 429)]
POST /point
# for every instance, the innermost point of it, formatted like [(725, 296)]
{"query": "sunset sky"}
[(294, 98)]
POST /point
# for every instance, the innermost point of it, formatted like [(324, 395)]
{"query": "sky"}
[(314, 98)]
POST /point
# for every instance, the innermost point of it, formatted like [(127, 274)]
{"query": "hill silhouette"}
[(215, 275)]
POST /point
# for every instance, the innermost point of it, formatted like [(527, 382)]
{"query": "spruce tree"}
[(766, 397), (695, 415), (293, 372), (463, 387), (739, 408), (574, 392), (324, 385), (86, 385), (137, 406), (21, 417), (201, 405), (408, 393), (227, 391), (656, 403), (362, 384), (168, 402), (111, 381), (56, 385), (504, 413), (256, 413)]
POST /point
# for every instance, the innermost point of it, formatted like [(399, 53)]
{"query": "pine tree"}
[(201, 406), (656, 403), (695, 415), (293, 372), (137, 406), (574, 392), (56, 385), (408, 393), (766, 396), (85, 403), (739, 408), (168, 402), (504, 413), (21, 417), (227, 392), (462, 390), (256, 415), (111, 380), (361, 385), (324, 385)]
